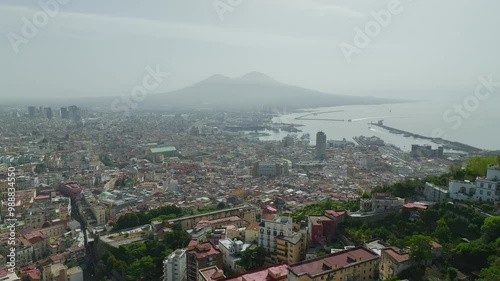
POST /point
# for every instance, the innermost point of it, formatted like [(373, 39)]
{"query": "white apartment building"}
[(461, 190), (269, 229), (486, 190), (174, 266), (493, 173), (435, 193), (230, 250), (483, 189)]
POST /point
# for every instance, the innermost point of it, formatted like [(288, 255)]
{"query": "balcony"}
[(281, 252)]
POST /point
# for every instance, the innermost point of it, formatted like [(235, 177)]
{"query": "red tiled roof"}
[(318, 220), (335, 214), (436, 245), (253, 226), (204, 250), (413, 205), (268, 217), (212, 273), (262, 274), (396, 255), (333, 261), (271, 209)]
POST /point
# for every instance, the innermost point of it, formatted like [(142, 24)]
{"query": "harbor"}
[(451, 145)]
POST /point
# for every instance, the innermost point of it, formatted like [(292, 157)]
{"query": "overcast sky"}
[(96, 47)]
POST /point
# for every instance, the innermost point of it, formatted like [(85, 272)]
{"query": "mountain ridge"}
[(252, 90)]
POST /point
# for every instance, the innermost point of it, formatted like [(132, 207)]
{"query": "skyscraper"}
[(64, 113), (48, 113), (320, 146), (31, 111)]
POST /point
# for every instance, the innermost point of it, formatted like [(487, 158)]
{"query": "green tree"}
[(452, 273), (491, 228), (442, 231), (328, 204), (420, 247), (221, 206), (140, 269), (253, 258), (127, 221), (492, 272)]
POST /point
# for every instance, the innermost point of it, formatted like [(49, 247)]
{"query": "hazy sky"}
[(96, 47)]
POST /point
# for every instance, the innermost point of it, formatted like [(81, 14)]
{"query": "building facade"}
[(175, 266), (270, 229), (201, 255), (320, 146), (354, 264), (435, 193)]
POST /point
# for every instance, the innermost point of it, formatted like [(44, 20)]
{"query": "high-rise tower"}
[(320, 146)]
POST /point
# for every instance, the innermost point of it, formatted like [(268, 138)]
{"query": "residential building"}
[(252, 232), (270, 229), (275, 272), (394, 260), (175, 266), (75, 274), (435, 193), (353, 264), (231, 250), (212, 273), (201, 255), (486, 190), (461, 190), (493, 173), (99, 212), (60, 272), (483, 189), (321, 229), (290, 249)]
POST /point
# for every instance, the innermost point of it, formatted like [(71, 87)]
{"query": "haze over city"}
[(249, 140), (96, 48)]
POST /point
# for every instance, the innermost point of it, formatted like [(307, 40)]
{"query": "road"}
[(89, 272)]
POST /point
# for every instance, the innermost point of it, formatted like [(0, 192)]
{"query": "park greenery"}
[(142, 260), (319, 209)]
